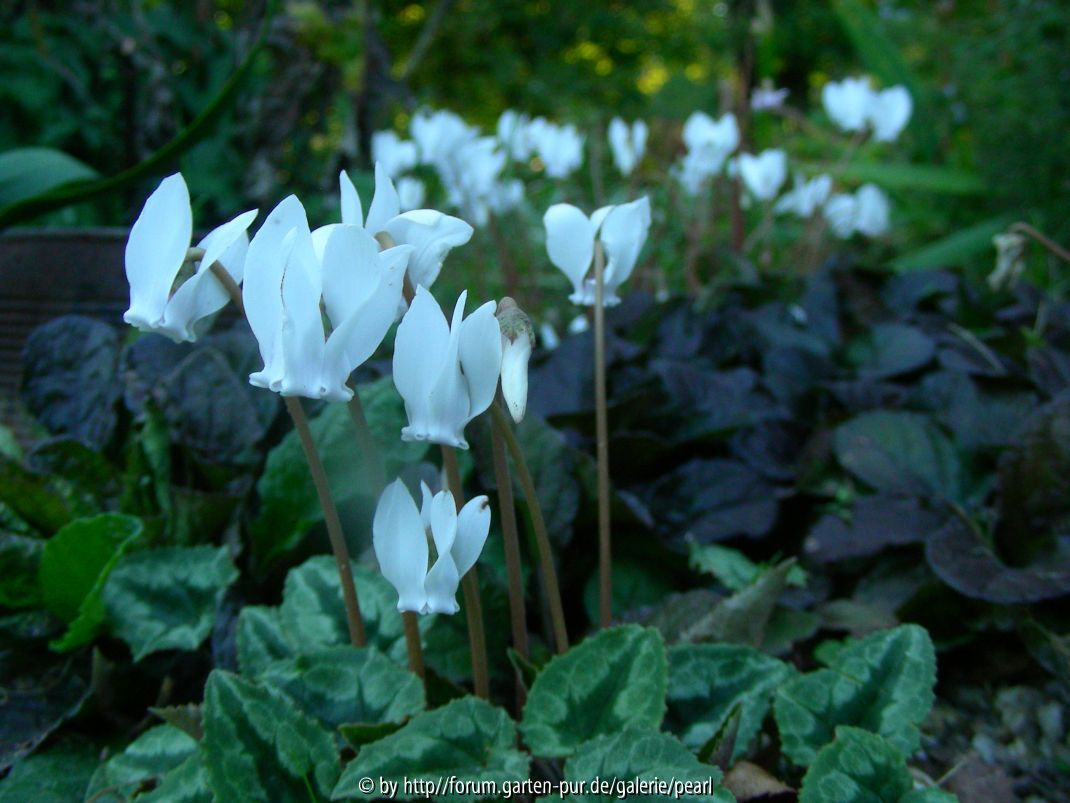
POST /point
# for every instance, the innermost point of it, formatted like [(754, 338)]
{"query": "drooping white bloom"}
[(549, 337), (873, 212), (848, 102), (399, 538), (1010, 259), (285, 283), (764, 174), (806, 197), (396, 155), (560, 147), (472, 177), (446, 373), (411, 193), (578, 325), (889, 112), (766, 97), (518, 338), (155, 252), (628, 144), (570, 244)]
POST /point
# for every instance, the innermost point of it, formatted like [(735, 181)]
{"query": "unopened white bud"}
[(518, 338), (1010, 259)]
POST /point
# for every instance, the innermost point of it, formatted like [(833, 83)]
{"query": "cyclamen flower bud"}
[(518, 338)]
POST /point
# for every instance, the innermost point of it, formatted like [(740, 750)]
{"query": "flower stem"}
[(1047, 242), (330, 516), (319, 479), (477, 639), (605, 580), (538, 525), (376, 473), (511, 544)]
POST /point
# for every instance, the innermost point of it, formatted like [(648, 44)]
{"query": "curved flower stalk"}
[(570, 239), (447, 374), (764, 174), (156, 251), (628, 144), (360, 289), (431, 234), (399, 538)]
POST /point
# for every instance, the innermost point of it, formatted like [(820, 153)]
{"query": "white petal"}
[(481, 357), (569, 242), (350, 260), (443, 579), (202, 294), (385, 203), (433, 235), (449, 402), (623, 235), (156, 250), (357, 338), (473, 525), (425, 504), (873, 210), (890, 112), (401, 546), (302, 323), (352, 212), (419, 355), (261, 289)]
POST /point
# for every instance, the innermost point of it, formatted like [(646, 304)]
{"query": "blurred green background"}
[(111, 82)]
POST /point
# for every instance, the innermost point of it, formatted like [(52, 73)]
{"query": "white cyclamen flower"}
[(889, 112), (628, 144), (285, 283), (399, 538), (446, 373), (512, 131), (764, 174), (157, 249), (806, 197), (396, 155), (766, 98), (570, 242), (848, 102), (560, 147), (432, 234), (841, 211), (710, 143), (439, 134)]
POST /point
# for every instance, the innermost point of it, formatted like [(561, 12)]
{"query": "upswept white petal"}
[(261, 292), (848, 102), (623, 235), (400, 545), (889, 112), (359, 335), (872, 210), (473, 525), (156, 250), (432, 235), (302, 324), (385, 203), (840, 211), (764, 174), (351, 275), (202, 294), (481, 357), (352, 211), (419, 356), (569, 242), (443, 578), (449, 401)]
